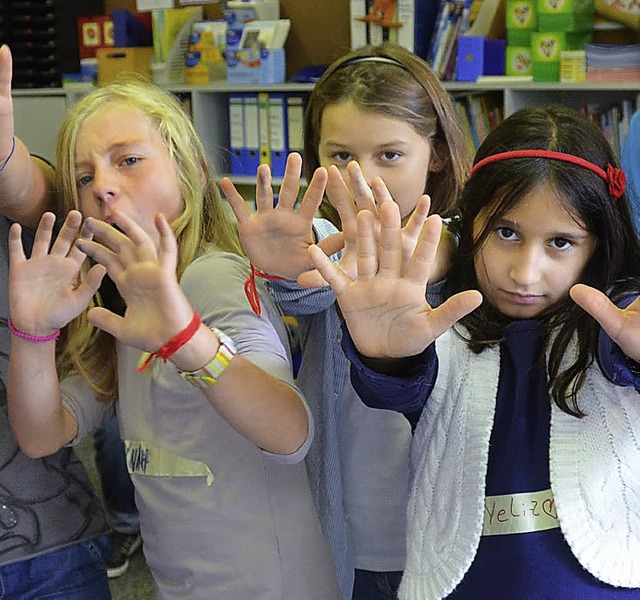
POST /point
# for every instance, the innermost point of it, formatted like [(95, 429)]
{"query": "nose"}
[(526, 267), (105, 189)]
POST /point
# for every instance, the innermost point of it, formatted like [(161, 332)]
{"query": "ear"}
[(436, 164), (438, 160)]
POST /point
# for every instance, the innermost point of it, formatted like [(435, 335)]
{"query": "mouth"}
[(523, 299)]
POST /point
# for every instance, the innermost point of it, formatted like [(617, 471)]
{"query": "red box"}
[(94, 33)]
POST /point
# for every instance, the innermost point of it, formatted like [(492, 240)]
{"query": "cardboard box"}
[(478, 56), (113, 61)]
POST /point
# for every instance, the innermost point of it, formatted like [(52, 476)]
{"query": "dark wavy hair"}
[(408, 91), (496, 188)]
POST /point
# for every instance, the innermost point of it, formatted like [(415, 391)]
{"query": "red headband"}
[(614, 177)]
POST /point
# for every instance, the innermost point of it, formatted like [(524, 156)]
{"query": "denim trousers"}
[(376, 585), (117, 488), (76, 572)]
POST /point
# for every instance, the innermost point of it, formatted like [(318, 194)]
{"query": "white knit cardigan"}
[(594, 469)]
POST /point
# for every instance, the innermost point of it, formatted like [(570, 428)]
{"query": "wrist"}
[(198, 352), (33, 335), (207, 376)]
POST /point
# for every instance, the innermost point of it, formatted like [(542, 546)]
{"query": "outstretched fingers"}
[(390, 255), (6, 102), (363, 195), (600, 307), (330, 271), (418, 217), (168, 244), (313, 195), (290, 187), (264, 191), (44, 233), (451, 311), (421, 263), (16, 249), (64, 244), (236, 201), (366, 246), (340, 197)]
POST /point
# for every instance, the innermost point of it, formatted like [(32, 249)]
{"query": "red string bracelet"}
[(38, 339), (251, 290), (173, 345)]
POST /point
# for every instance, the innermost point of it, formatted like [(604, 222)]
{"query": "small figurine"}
[(381, 13)]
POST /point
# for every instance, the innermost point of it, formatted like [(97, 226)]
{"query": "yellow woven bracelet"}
[(208, 375)]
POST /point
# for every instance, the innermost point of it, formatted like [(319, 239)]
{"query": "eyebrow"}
[(391, 144), (119, 146)]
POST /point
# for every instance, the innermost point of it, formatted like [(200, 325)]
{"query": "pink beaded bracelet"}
[(39, 339)]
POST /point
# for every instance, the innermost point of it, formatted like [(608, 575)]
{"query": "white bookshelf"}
[(38, 113)]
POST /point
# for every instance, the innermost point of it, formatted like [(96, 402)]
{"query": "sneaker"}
[(121, 547)]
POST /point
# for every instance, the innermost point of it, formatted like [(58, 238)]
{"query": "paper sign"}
[(142, 5)]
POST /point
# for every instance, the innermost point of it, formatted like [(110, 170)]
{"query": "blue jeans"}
[(374, 585), (76, 572), (117, 489)]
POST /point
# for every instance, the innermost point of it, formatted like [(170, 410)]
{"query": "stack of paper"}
[(609, 63)]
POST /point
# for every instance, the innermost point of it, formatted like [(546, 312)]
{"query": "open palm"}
[(276, 238), (145, 274), (621, 324), (385, 307), (45, 291)]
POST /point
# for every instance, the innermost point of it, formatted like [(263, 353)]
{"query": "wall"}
[(319, 29)]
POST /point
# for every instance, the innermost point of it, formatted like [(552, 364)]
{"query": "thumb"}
[(106, 320)]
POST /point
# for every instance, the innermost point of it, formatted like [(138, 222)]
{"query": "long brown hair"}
[(495, 189), (404, 88)]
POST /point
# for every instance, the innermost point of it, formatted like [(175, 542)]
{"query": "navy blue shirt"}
[(530, 566)]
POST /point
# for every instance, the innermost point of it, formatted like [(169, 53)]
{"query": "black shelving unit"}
[(43, 38)]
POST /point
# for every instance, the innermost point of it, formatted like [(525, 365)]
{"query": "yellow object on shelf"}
[(113, 61), (573, 66)]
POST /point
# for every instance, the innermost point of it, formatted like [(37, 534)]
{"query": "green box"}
[(565, 15), (546, 48), (519, 37), (576, 40), (521, 14), (518, 60)]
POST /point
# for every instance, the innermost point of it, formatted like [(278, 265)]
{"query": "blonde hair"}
[(203, 223)]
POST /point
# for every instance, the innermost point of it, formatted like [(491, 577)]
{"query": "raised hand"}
[(6, 103), (621, 324), (45, 291), (385, 307), (349, 198), (276, 238), (145, 275)]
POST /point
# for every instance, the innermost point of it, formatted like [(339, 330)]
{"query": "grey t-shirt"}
[(220, 518), (45, 503)]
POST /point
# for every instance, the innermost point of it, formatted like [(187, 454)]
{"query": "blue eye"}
[(130, 160), (84, 180)]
